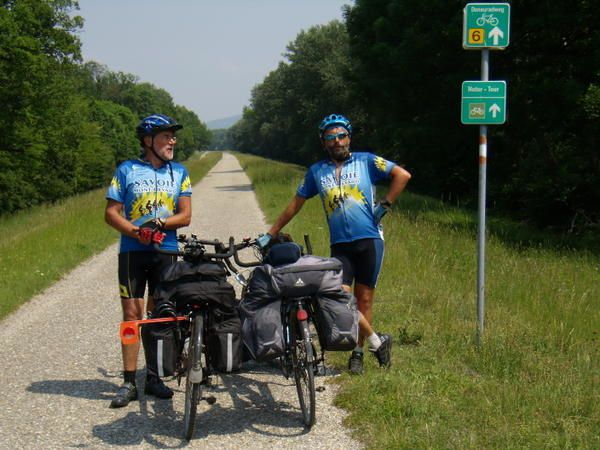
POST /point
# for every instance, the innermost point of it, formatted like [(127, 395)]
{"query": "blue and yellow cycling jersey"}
[(148, 193), (349, 200)]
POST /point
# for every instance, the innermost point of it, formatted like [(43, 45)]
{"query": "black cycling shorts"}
[(361, 259), (138, 268)]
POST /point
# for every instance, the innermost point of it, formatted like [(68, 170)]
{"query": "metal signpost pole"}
[(485, 26), (485, 65)]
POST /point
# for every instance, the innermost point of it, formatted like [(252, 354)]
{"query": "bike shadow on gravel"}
[(256, 401)]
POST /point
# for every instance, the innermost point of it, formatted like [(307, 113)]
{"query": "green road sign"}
[(483, 102), (486, 25)]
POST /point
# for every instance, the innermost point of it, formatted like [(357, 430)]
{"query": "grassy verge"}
[(534, 384), (39, 246)]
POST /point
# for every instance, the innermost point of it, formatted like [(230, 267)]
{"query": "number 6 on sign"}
[(476, 35)]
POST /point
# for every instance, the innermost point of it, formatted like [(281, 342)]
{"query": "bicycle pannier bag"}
[(262, 332), (161, 346), (337, 319), (307, 276), (225, 342), (186, 283)]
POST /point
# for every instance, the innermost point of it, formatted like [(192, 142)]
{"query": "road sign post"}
[(483, 102), (486, 26)]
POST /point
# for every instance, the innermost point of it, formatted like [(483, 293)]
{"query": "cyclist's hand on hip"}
[(263, 240), (381, 209)]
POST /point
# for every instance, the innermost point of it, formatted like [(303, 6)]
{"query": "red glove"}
[(152, 231)]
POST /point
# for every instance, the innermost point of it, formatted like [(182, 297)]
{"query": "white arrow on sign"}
[(496, 34), (494, 109)]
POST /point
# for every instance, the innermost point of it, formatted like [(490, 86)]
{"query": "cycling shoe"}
[(156, 387), (126, 393)]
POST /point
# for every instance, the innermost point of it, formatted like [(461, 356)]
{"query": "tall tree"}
[(408, 65), (287, 106)]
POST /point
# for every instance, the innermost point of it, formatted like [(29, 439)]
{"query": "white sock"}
[(358, 349), (374, 342)]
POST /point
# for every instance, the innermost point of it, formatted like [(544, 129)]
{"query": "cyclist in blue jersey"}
[(345, 182), (150, 193)]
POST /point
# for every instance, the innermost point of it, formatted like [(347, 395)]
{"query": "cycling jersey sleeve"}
[(308, 188), (379, 168), (186, 184), (116, 189)]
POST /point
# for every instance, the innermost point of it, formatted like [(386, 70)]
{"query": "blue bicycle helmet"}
[(154, 124), (334, 120)]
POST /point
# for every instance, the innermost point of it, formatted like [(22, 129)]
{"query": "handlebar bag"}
[(337, 321), (309, 275)]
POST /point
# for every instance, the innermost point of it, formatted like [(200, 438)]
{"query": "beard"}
[(339, 153)]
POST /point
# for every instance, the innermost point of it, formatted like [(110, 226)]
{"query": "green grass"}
[(40, 245), (533, 384)]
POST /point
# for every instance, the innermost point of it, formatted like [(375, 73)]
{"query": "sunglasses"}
[(333, 137)]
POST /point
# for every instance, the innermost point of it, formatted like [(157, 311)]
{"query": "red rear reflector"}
[(301, 315), (129, 331)]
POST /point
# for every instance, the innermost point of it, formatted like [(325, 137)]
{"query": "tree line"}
[(395, 68), (65, 124)]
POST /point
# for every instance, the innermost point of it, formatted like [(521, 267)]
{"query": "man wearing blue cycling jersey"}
[(146, 195), (345, 182)]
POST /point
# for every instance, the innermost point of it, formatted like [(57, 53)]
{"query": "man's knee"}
[(133, 308)]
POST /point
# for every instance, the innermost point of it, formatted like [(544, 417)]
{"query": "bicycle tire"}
[(303, 363), (193, 391)]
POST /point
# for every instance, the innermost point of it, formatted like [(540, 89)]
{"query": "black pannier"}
[(185, 283), (162, 346), (204, 283), (225, 341)]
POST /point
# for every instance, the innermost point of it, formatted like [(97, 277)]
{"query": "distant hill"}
[(223, 123)]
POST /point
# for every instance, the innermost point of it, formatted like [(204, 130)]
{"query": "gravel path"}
[(60, 362)]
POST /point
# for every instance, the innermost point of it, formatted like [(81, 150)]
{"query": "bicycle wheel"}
[(303, 363), (193, 390)]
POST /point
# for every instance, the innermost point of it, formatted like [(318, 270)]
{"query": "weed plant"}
[(534, 382), (40, 245)]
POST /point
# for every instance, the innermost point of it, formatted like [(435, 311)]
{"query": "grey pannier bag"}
[(262, 332), (308, 276), (260, 311), (337, 321)]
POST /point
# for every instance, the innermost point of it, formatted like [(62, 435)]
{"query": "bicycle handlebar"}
[(194, 249)]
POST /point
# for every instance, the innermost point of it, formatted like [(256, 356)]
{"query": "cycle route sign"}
[(486, 25), (483, 102)]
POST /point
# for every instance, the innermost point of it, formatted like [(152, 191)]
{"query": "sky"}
[(208, 54)]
